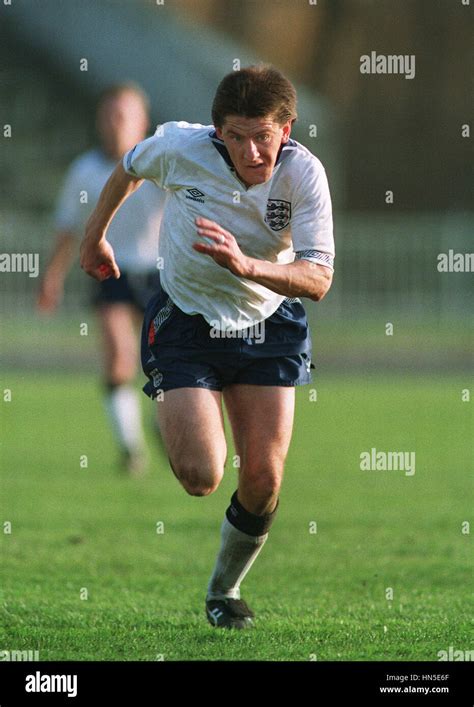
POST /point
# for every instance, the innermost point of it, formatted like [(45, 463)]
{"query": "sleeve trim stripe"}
[(315, 256)]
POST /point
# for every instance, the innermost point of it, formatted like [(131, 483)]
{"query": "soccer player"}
[(247, 231), (122, 121)]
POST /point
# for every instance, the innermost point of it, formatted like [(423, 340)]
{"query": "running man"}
[(122, 121), (247, 231)]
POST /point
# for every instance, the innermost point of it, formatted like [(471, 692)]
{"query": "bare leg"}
[(119, 342), (262, 423), (192, 427), (122, 400)]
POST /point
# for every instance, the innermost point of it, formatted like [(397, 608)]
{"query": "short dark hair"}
[(117, 89), (254, 92)]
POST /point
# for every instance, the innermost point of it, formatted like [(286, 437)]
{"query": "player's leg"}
[(120, 348), (262, 421), (262, 424), (187, 389), (192, 427)]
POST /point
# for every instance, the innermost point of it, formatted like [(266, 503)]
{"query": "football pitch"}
[(360, 564)]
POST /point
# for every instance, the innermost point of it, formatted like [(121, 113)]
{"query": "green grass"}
[(315, 595)]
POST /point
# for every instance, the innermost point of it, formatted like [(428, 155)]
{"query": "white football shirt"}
[(134, 230), (288, 216)]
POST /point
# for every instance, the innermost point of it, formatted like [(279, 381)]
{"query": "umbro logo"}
[(195, 194)]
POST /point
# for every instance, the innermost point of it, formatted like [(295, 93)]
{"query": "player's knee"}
[(197, 482), (122, 367), (263, 483), (198, 487), (121, 374)]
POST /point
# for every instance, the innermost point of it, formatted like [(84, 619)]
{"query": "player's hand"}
[(50, 294), (224, 249), (97, 259)]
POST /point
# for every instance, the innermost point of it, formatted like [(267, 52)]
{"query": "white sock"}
[(123, 407), (236, 556)]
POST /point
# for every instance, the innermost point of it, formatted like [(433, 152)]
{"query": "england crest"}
[(278, 214)]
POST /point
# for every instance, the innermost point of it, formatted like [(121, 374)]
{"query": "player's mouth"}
[(256, 166)]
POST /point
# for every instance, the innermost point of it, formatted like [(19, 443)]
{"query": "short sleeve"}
[(311, 222), (68, 215), (153, 158)]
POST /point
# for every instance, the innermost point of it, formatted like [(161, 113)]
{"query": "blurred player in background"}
[(122, 121)]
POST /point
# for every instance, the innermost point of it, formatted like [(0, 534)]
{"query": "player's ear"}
[(219, 133), (286, 128)]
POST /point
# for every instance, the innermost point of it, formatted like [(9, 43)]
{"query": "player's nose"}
[(251, 151)]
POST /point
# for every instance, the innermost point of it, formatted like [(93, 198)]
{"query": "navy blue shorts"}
[(130, 288), (179, 350)]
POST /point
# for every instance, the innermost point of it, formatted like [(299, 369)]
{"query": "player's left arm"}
[(301, 278)]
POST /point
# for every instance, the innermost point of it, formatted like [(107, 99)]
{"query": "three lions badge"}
[(278, 214)]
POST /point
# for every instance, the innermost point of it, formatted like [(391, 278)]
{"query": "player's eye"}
[(265, 137)]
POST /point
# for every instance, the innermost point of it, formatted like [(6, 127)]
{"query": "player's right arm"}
[(97, 256)]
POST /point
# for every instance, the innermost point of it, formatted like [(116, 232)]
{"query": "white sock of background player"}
[(123, 407)]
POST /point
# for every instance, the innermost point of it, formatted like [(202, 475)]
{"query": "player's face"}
[(253, 145), (122, 121)]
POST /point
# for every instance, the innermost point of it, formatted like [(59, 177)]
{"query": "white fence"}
[(384, 261)]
